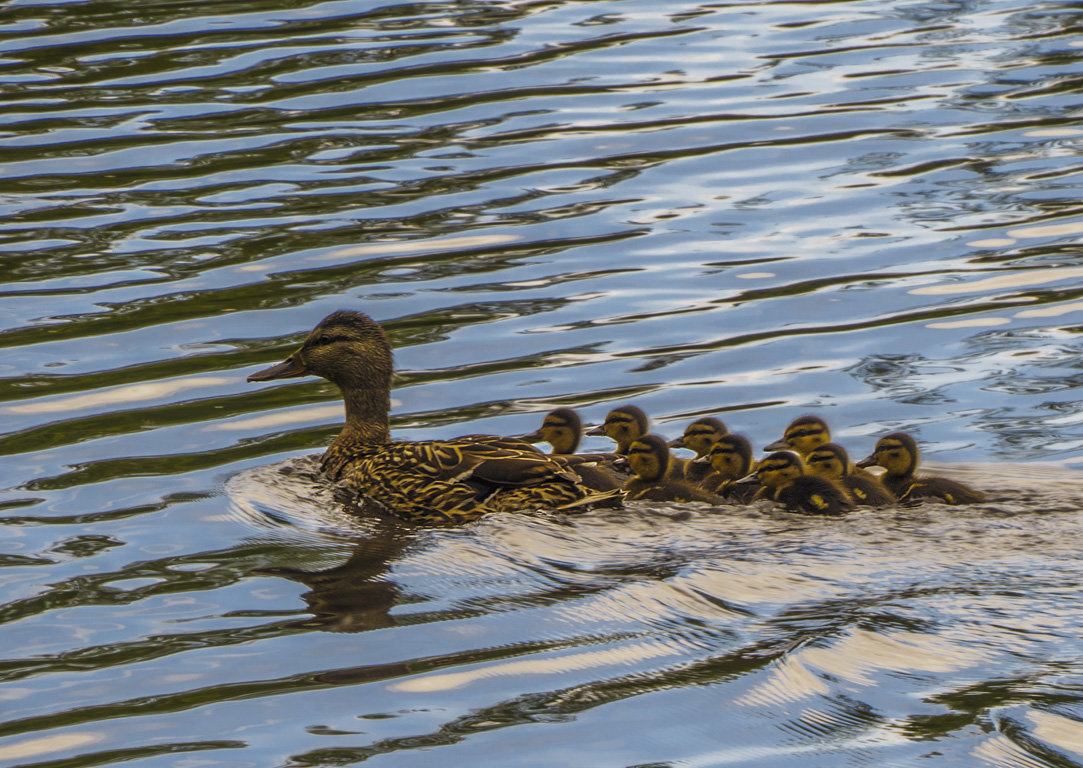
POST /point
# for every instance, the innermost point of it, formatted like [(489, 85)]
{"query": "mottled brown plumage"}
[(454, 480), (563, 429)]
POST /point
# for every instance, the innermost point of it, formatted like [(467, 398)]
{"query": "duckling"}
[(802, 435), (898, 454), (699, 436), (831, 461), (623, 425), (784, 479), (730, 458), (626, 424), (650, 459), (454, 480), (563, 429)]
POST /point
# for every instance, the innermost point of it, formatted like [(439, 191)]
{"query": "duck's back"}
[(638, 489), (940, 489)]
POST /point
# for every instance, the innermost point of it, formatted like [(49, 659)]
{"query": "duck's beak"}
[(747, 479), (595, 431), (778, 445), (868, 461), (532, 437), (677, 442), (289, 368), (700, 460)]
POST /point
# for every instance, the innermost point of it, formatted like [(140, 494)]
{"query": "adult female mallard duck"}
[(651, 461), (785, 480), (831, 462), (454, 480), (898, 454), (729, 460), (699, 436), (563, 429)]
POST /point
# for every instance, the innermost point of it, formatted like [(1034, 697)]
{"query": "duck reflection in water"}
[(353, 596)]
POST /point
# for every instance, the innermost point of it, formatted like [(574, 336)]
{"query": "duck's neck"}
[(366, 417)]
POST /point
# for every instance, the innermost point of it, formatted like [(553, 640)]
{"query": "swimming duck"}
[(729, 460), (650, 459), (454, 480), (802, 435), (831, 461), (699, 436), (623, 425), (626, 424), (898, 454), (785, 479), (563, 429)]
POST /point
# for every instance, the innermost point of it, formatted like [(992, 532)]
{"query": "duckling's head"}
[(561, 428), (347, 348), (829, 461), (700, 435), (897, 453), (623, 424), (649, 457), (803, 434), (780, 469), (731, 456)]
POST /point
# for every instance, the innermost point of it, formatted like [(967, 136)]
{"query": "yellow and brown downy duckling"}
[(730, 460), (454, 480), (563, 429), (898, 454), (623, 425), (699, 436), (651, 461), (802, 435), (626, 424), (831, 461), (785, 479)]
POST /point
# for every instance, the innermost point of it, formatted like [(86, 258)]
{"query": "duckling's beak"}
[(700, 460), (677, 442), (752, 478), (595, 431), (868, 461), (532, 437), (778, 445), (287, 369)]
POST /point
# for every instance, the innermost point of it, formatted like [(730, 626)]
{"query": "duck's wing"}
[(496, 462)]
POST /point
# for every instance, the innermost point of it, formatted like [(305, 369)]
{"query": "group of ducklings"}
[(806, 471), (459, 479)]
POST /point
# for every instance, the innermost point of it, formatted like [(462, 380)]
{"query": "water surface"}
[(755, 210)]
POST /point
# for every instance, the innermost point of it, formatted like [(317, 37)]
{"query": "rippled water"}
[(863, 209)]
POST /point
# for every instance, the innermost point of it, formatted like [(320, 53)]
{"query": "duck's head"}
[(897, 453), (803, 434), (649, 457), (623, 424), (347, 348), (561, 428), (779, 469), (829, 461), (730, 456), (700, 435)]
